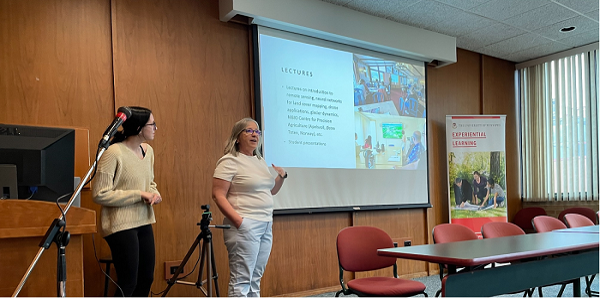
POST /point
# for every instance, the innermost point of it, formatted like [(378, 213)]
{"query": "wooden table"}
[(580, 259)]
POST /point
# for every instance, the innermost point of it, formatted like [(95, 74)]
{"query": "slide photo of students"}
[(471, 194)]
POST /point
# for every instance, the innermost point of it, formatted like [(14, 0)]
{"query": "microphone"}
[(122, 114)]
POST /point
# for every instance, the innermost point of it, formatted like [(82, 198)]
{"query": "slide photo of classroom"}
[(384, 141), (389, 87), (477, 184)]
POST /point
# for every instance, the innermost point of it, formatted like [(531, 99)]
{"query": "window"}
[(559, 129)]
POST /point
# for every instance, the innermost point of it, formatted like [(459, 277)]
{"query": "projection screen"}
[(348, 124)]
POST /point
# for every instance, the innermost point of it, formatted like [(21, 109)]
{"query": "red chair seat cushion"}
[(386, 286)]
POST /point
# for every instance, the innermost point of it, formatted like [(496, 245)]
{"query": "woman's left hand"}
[(280, 171)]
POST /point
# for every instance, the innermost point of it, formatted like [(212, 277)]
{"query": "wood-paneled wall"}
[(72, 62), (498, 98)]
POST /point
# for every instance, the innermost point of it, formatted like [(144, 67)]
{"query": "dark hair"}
[(457, 180), (476, 173), (491, 181), (133, 125)]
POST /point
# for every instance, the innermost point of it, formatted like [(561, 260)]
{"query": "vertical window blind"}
[(559, 129)]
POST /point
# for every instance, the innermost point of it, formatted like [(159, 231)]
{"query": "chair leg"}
[(588, 284), (107, 270), (437, 294), (540, 294), (425, 294), (337, 294)]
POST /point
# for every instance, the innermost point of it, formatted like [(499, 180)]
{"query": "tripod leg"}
[(215, 275), (209, 267), (200, 282), (173, 279)]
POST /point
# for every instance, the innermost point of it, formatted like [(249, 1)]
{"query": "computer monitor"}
[(44, 158), (8, 182)]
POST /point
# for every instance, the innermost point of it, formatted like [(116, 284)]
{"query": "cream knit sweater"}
[(120, 178)]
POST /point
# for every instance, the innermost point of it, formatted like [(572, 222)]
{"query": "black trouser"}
[(133, 256)]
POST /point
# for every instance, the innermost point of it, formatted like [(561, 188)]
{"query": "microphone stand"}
[(60, 238)]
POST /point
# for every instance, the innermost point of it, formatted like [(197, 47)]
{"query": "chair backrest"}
[(357, 248), (444, 233), (500, 229), (524, 216), (574, 220), (544, 223), (587, 212)]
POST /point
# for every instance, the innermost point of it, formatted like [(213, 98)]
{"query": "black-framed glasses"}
[(251, 131), (152, 124)]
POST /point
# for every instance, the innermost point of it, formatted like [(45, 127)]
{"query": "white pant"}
[(249, 248)]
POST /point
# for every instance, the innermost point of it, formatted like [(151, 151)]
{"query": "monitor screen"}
[(392, 130), (44, 158)]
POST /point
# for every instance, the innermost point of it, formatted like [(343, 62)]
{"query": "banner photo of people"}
[(476, 170)]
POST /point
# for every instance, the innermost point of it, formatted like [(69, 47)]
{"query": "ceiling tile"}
[(593, 14), (581, 24), (460, 23), (424, 13), (518, 43), (503, 9), (581, 6), (541, 17), (496, 52), (537, 52), (463, 4), (515, 30), (488, 35), (581, 39), (380, 8), (337, 2)]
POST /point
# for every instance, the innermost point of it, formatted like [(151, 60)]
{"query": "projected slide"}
[(334, 109), (331, 111)]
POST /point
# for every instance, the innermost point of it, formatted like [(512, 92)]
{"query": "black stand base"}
[(206, 256)]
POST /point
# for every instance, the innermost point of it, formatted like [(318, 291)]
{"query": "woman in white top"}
[(243, 189)]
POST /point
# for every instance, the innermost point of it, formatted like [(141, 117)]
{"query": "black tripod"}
[(206, 255)]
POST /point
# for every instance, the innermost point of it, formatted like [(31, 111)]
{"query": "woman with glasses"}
[(124, 186), (243, 189)]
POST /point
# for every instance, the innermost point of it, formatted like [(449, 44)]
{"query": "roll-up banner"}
[(476, 169)]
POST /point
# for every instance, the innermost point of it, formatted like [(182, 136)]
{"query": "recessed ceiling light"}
[(567, 29)]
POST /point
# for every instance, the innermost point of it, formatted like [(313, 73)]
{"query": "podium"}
[(23, 224)]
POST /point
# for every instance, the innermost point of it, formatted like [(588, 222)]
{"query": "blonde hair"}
[(231, 146)]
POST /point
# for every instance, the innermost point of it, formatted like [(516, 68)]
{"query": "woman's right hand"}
[(238, 222), (151, 198)]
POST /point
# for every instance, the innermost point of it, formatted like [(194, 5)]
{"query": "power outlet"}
[(407, 243), (171, 268)]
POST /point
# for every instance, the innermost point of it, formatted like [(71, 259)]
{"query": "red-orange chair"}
[(574, 220), (544, 223), (357, 251), (587, 212), (524, 216), (500, 229), (503, 229), (445, 233)]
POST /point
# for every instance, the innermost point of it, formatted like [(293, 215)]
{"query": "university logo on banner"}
[(476, 169)]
